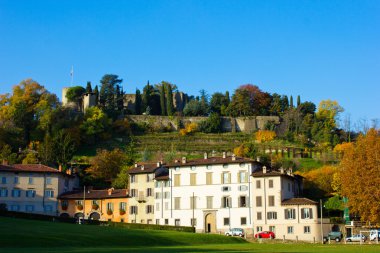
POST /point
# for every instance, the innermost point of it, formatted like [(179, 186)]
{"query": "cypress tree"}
[(291, 102), (169, 101), (298, 100), (162, 99), (96, 93), (138, 102), (88, 88)]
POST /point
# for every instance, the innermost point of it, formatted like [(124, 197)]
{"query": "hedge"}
[(34, 216), (150, 226)]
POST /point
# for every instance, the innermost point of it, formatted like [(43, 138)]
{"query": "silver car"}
[(235, 232), (356, 238)]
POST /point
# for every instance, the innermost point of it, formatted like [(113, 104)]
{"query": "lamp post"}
[(320, 204)]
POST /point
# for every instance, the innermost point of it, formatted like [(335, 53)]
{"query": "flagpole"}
[(72, 74)]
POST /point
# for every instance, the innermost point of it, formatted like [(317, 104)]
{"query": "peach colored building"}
[(104, 205)]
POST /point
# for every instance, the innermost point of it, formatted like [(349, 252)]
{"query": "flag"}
[(72, 71)]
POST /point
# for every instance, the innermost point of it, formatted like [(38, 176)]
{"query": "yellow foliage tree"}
[(328, 111), (360, 176), (265, 135), (189, 129), (322, 178), (241, 150)]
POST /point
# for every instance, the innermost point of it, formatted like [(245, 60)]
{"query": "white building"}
[(33, 188)]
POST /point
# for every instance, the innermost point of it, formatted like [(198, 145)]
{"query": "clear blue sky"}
[(316, 49)]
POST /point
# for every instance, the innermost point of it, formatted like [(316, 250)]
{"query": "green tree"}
[(75, 94), (47, 150), (298, 100), (138, 103), (291, 102), (88, 87), (64, 147), (169, 99), (161, 90), (108, 94), (95, 122), (96, 94)]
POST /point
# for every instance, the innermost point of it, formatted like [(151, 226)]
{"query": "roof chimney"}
[(110, 191), (258, 159), (282, 171), (264, 169), (158, 164), (224, 154), (136, 165), (184, 159), (205, 156), (142, 167), (233, 157)]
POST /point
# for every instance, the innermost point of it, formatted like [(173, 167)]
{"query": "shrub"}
[(212, 124)]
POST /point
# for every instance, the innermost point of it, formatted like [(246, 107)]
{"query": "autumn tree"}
[(95, 122), (360, 176), (106, 165), (264, 135)]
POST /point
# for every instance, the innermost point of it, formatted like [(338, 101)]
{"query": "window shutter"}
[(311, 213), (238, 177), (286, 214), (221, 178), (229, 178), (302, 213), (239, 201)]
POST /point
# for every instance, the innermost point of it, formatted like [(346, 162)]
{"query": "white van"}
[(373, 234)]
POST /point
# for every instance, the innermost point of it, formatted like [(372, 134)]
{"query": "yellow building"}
[(103, 205)]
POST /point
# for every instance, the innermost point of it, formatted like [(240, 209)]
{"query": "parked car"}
[(333, 235), (356, 238), (235, 232), (374, 234), (265, 234)]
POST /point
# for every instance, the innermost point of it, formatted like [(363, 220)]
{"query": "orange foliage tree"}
[(321, 178), (360, 176), (189, 129), (265, 135)]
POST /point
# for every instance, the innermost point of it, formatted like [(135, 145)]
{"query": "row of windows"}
[(29, 208), (290, 229), (225, 178), (209, 167), (149, 209), (136, 193), (226, 202), (16, 180), (110, 205), (148, 178), (30, 193), (290, 214)]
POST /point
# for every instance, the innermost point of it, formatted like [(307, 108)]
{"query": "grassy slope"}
[(18, 235)]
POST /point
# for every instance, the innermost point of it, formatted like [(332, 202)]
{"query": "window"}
[(3, 192), (272, 215), (243, 188), (290, 230), (177, 203), (158, 195), (306, 213), (242, 201), (166, 183), (270, 200), (270, 183), (272, 228), (243, 177), (133, 179), (166, 205), (193, 179), (15, 208), (49, 193), (306, 229), (193, 222), (31, 180), (225, 165), (243, 220), (95, 202), (193, 202), (16, 193), (226, 188), (209, 202), (259, 201), (110, 206), (258, 184), (64, 204), (193, 167), (166, 221), (149, 177), (157, 184), (259, 228), (167, 195), (226, 202), (133, 192), (123, 206), (29, 208), (3, 180), (242, 165), (208, 178), (177, 222), (133, 209), (79, 202), (48, 208), (208, 167), (149, 192), (177, 180), (157, 221), (16, 180), (30, 193), (226, 178), (157, 206), (259, 216), (226, 221), (176, 168), (149, 209), (149, 221), (48, 180), (290, 214)]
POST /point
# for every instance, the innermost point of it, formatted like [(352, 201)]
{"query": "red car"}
[(265, 234)]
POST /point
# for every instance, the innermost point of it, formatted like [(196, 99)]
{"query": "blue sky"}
[(315, 49)]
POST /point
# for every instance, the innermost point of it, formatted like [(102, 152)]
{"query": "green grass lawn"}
[(19, 235)]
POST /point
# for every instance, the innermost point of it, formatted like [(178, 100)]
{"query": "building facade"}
[(33, 188), (105, 205)]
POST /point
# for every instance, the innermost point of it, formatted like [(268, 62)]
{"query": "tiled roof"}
[(143, 168), (274, 173), (298, 201), (96, 194), (37, 168), (210, 161)]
